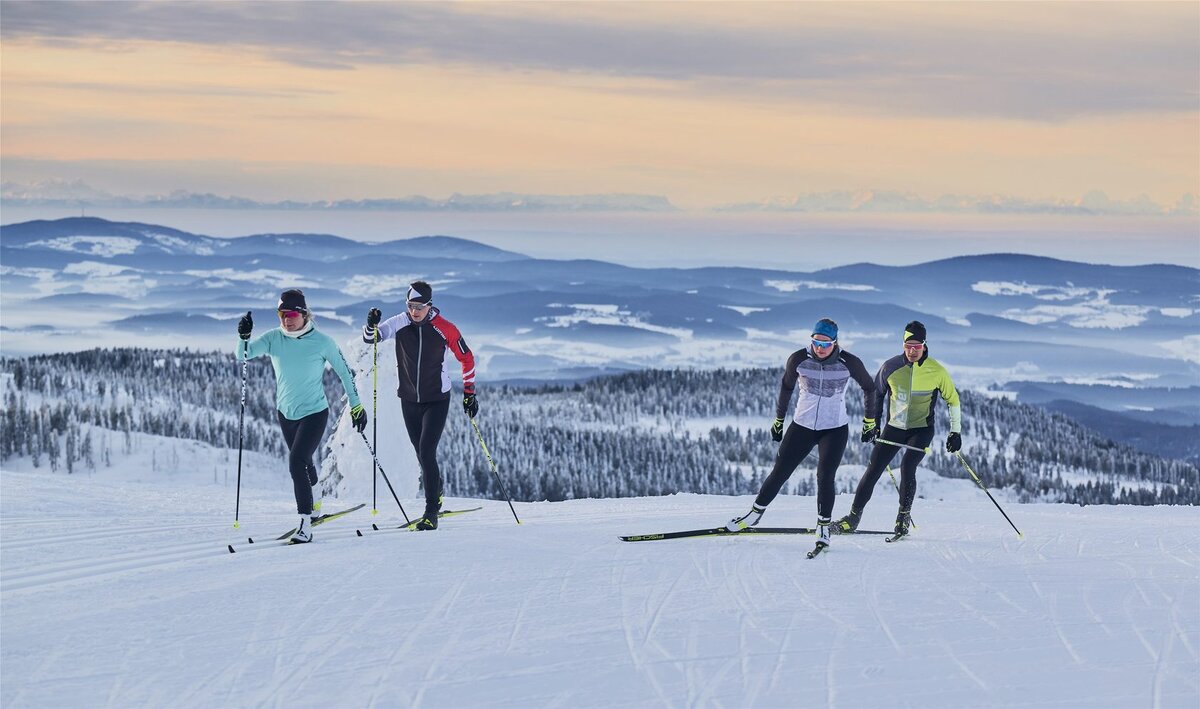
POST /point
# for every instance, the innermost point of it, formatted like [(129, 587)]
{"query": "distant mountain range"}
[(76, 193), (894, 202), (73, 193), (1007, 323)]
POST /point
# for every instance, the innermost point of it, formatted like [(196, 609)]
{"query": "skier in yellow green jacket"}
[(911, 382)]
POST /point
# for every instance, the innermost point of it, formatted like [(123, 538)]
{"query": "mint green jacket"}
[(299, 366)]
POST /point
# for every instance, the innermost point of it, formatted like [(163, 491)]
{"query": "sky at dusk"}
[(706, 105)]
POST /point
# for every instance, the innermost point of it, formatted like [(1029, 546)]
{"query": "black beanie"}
[(420, 292), (293, 299), (915, 330)]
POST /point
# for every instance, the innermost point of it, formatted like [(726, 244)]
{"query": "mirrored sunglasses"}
[(913, 345), (417, 306), (823, 343), (290, 314)]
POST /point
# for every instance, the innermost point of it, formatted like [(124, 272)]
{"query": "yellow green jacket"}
[(909, 389)]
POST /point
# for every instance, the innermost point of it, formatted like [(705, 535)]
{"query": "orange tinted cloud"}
[(706, 104)]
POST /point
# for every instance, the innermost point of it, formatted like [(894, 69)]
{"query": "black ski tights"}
[(302, 438), (425, 422), (798, 442), (882, 456)]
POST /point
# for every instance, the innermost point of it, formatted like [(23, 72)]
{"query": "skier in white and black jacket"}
[(823, 370), (425, 342)]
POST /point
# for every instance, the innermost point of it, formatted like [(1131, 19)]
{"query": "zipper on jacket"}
[(820, 384), (912, 374), (417, 374)]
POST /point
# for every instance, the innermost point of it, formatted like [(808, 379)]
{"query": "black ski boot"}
[(430, 520), (847, 524), (903, 522)]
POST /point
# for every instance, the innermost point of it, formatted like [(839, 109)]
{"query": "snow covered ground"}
[(119, 593)]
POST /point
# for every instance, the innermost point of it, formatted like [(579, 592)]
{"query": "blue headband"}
[(826, 328)]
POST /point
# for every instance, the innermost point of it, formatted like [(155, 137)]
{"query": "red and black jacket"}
[(423, 351)]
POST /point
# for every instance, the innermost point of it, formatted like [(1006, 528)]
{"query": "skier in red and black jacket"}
[(424, 343)]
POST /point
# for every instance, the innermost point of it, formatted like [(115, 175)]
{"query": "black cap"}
[(915, 330), (293, 299), (420, 292)]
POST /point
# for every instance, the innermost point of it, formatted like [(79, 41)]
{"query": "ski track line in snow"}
[(653, 657), (1164, 653), (40, 576), (872, 597), (629, 631), (427, 625), (445, 649), (958, 571), (110, 533), (708, 577), (741, 661), (748, 614), (55, 574), (295, 677), (1171, 553), (963, 667), (810, 604)]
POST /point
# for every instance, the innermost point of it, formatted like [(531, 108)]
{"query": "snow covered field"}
[(118, 593)]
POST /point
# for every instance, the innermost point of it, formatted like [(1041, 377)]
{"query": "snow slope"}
[(118, 593)]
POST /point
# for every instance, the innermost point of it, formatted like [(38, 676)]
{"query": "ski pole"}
[(385, 477), (983, 487), (494, 471), (902, 445), (237, 505), (889, 469), (374, 421)]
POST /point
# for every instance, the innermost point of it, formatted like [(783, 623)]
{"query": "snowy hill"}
[(117, 588), (1095, 607)]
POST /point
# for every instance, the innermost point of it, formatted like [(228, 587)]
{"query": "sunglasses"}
[(914, 346), (823, 343), (290, 314), (417, 306)]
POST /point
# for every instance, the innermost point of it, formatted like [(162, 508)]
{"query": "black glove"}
[(245, 326), (777, 430), (371, 331), (869, 431), (358, 417), (953, 443), (470, 405)]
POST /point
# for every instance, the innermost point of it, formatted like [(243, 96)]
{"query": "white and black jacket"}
[(823, 383)]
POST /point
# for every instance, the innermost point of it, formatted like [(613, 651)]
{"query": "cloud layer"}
[(850, 106), (1030, 61)]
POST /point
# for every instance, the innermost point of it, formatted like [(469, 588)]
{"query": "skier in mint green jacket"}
[(299, 352)]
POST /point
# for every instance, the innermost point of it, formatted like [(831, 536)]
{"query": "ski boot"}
[(747, 520), (903, 521), (823, 525), (430, 520), (847, 524), (303, 533)]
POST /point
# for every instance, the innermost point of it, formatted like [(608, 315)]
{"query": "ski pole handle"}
[(902, 445)]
